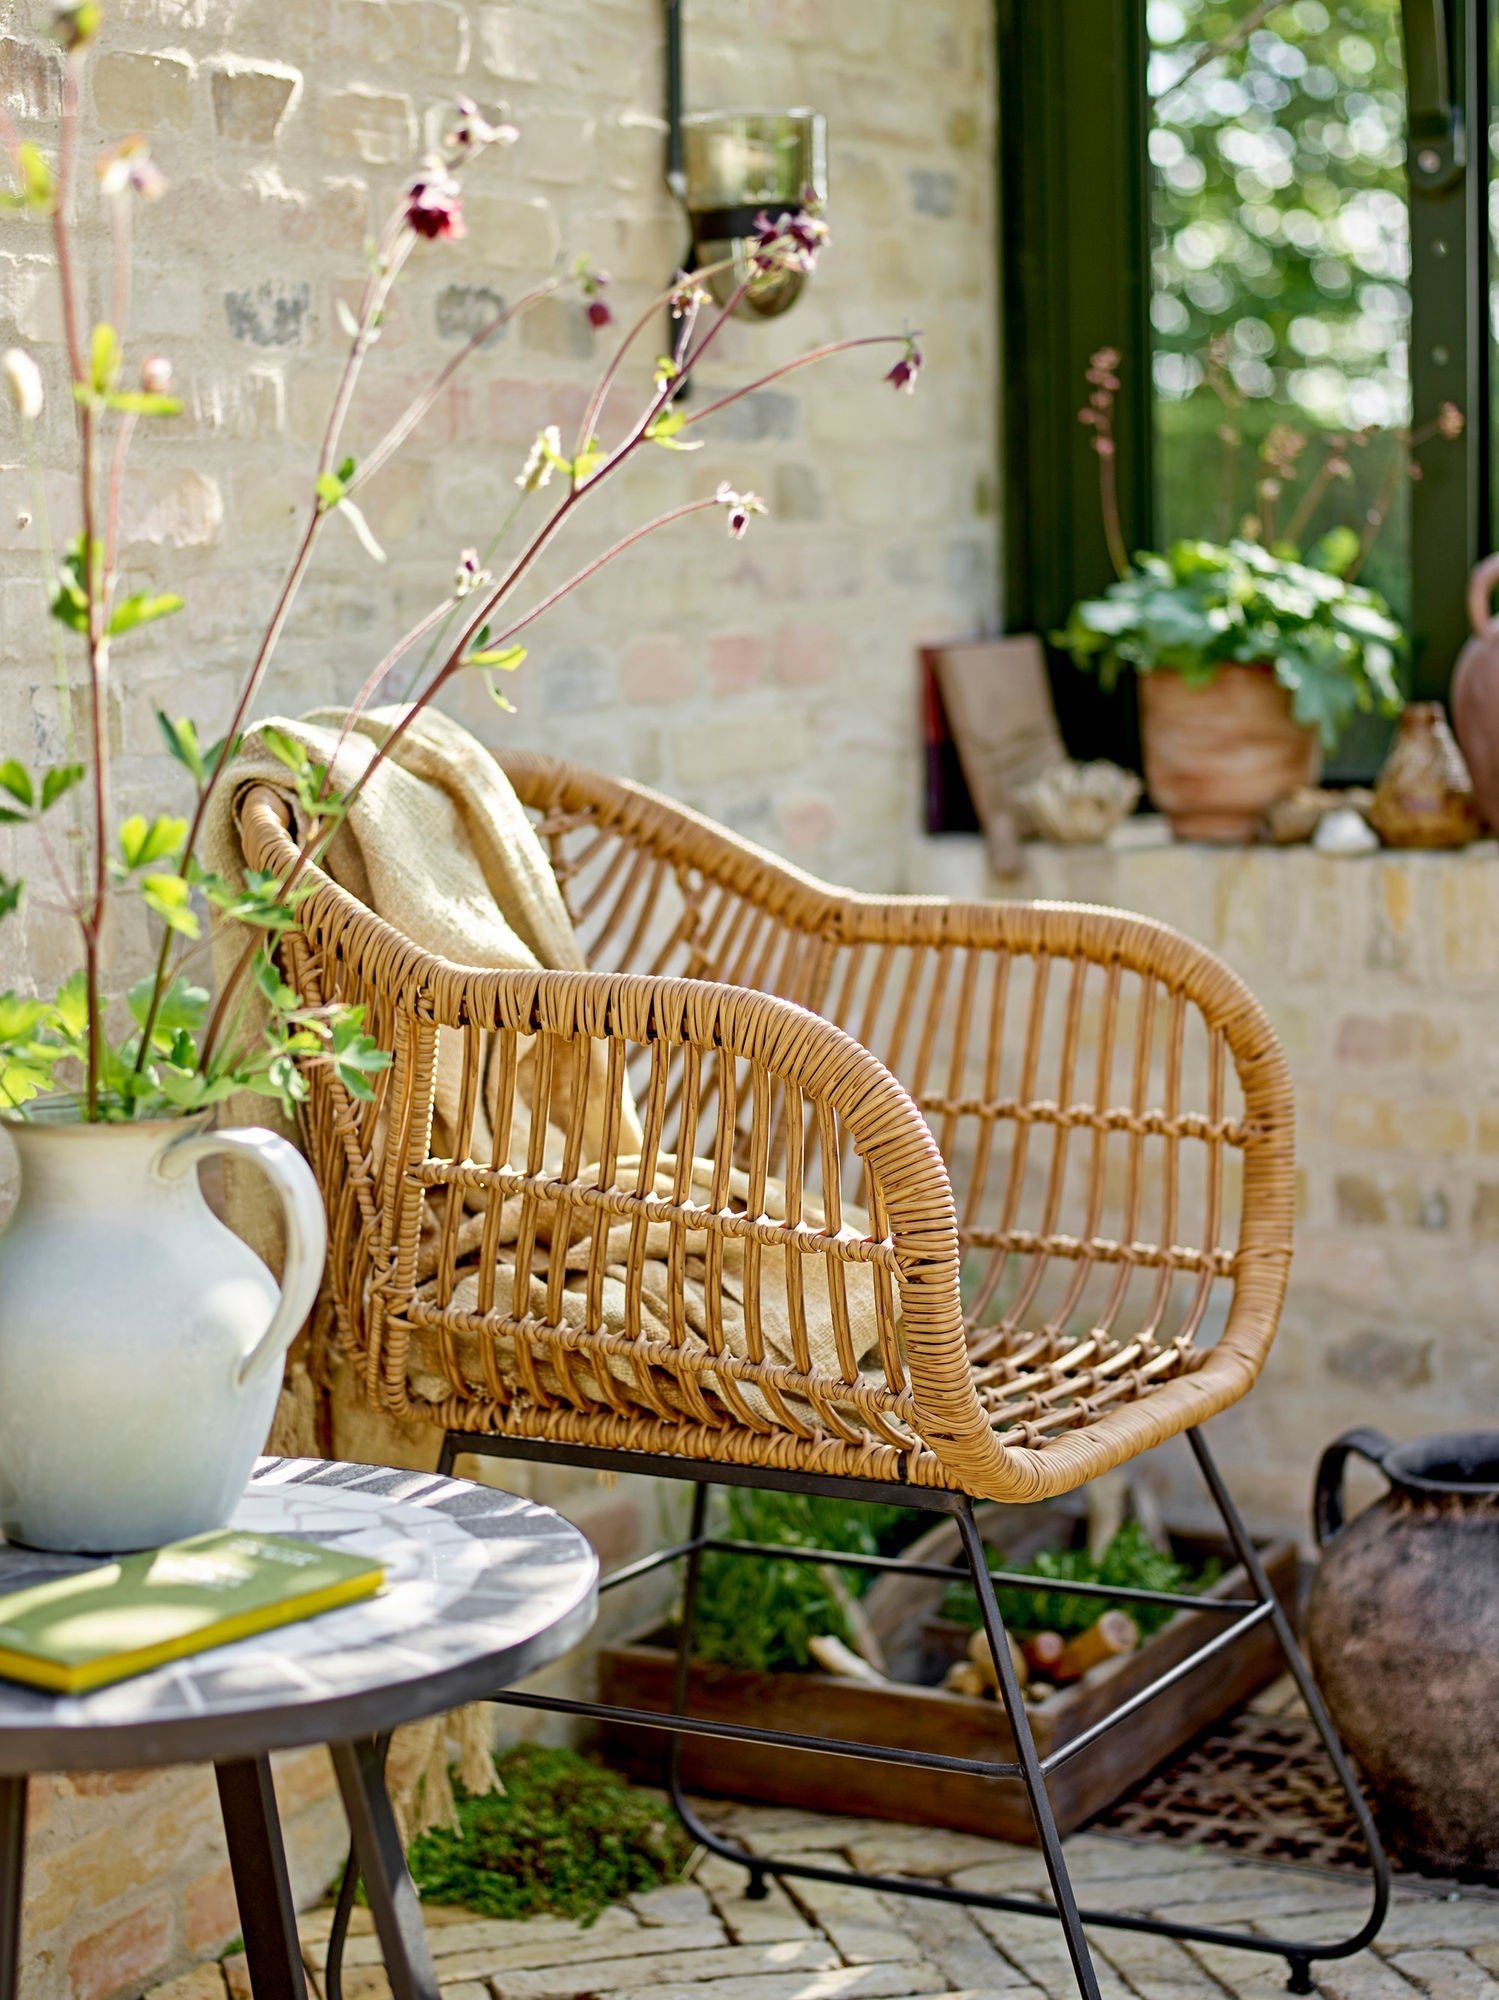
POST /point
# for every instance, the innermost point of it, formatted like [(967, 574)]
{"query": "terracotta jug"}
[(1403, 1633), (1424, 797), (1475, 692)]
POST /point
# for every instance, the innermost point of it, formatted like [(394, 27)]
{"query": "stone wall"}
[(768, 682), (1379, 975)]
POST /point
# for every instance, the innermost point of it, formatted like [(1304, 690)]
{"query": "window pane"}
[(1280, 300)]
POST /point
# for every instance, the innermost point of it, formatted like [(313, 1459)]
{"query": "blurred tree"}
[(1281, 253)]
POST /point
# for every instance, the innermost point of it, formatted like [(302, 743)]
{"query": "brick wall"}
[(128, 1876), (768, 682)]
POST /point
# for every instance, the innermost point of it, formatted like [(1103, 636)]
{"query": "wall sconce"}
[(726, 167)]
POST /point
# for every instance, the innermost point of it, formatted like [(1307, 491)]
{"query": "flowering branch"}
[(186, 1055), (1097, 415)]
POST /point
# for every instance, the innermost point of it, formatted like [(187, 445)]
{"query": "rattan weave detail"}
[(991, 1196)]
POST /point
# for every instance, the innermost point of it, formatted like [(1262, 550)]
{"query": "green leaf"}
[(170, 896), (10, 894), (141, 403), (70, 604), (329, 488), (70, 598), (182, 743), (21, 1079), (15, 779), (663, 430), (346, 472), (71, 1007), (104, 358), (142, 609), (38, 186), (284, 749), (362, 530), (505, 659), (271, 985), (183, 1007), (58, 782), (20, 1018), (142, 843)]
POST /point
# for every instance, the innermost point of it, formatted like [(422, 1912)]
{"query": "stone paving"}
[(820, 1941)]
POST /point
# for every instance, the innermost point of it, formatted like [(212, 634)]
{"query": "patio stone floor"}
[(703, 1941)]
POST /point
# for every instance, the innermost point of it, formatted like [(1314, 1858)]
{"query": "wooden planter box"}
[(638, 1673)]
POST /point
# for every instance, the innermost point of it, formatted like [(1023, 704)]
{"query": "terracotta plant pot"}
[(1403, 1633), (1216, 756)]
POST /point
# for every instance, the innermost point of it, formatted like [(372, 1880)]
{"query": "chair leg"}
[(756, 1889), (1300, 1961), (1030, 1763)]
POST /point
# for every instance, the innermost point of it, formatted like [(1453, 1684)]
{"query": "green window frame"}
[(1075, 250)]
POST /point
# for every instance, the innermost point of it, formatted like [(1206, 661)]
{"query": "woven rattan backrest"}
[(508, 1252)]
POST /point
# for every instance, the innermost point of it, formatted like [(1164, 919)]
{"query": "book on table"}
[(73, 1633)]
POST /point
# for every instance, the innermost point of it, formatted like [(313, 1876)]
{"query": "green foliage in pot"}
[(1132, 1561), (759, 1614), (1332, 644)]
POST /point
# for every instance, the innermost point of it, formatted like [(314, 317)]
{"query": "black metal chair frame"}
[(1263, 1607)]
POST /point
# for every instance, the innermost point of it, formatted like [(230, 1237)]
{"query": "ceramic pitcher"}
[(141, 1341)]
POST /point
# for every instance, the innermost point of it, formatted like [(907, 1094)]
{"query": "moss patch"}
[(567, 1836)]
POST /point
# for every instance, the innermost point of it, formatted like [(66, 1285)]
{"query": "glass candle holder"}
[(739, 163)]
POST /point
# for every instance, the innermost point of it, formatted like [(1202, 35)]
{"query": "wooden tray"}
[(638, 1674)]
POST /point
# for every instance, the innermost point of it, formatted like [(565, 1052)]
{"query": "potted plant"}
[(1251, 660), (140, 1342)]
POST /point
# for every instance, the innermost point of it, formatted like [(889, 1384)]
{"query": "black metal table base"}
[(1263, 1607), (262, 1888)]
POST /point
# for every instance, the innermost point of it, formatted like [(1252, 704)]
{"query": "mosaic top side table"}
[(482, 1588)]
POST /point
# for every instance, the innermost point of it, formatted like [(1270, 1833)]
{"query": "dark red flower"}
[(599, 314), (434, 207), (903, 374), (788, 242)]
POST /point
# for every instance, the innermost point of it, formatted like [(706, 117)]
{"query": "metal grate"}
[(1258, 1786)]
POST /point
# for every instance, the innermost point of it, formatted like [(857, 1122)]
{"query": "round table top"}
[(482, 1588)]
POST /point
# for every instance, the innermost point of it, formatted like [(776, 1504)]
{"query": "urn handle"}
[(306, 1230), (1480, 596), (1327, 1495)]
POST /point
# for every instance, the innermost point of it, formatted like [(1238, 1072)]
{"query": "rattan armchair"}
[(802, 1186)]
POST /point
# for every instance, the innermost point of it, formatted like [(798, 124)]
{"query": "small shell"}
[(1076, 803), (1344, 832)]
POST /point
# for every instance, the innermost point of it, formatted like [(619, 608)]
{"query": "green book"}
[(82, 1631)]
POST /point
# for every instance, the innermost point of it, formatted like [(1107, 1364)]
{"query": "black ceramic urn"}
[(1403, 1633)]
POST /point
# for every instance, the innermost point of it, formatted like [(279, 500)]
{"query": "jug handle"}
[(1480, 594), (1327, 1500), (306, 1229)]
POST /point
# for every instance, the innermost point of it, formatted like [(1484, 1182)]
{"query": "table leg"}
[(377, 1848), (262, 1888), (12, 1858)]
